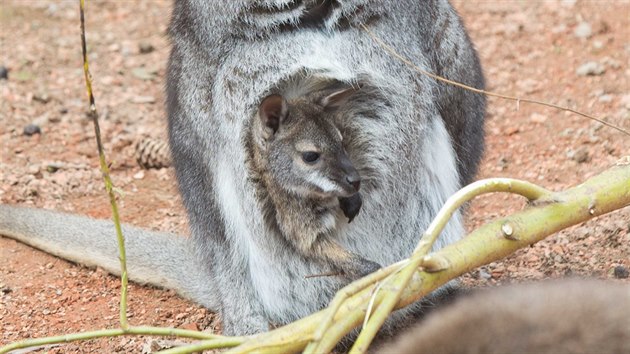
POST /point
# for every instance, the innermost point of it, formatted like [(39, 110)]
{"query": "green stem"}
[(392, 297), (109, 186), (464, 195), (227, 342), (141, 330), (340, 298)]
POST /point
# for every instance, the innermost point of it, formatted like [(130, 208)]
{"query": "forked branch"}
[(550, 213)]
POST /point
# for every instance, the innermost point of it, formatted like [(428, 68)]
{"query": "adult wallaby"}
[(554, 317), (414, 140)]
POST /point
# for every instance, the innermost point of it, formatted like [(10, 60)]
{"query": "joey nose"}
[(354, 180)]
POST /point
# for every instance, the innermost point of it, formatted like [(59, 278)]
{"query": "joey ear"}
[(273, 110), (338, 98)]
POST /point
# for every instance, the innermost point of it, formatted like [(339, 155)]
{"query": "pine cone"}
[(153, 153)]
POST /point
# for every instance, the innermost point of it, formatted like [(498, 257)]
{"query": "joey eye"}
[(310, 157)]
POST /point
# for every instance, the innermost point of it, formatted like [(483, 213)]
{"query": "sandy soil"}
[(528, 48)]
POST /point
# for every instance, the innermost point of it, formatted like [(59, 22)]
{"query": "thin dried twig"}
[(518, 100)]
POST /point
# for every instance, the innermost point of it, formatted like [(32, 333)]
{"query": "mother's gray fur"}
[(228, 55), (417, 140)]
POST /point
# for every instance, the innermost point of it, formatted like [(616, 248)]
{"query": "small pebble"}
[(611, 63), (143, 99), (123, 342), (583, 30), (580, 155), (5, 289), (484, 275), (143, 73), (4, 73), (590, 68), (53, 167), (189, 326), (512, 130), (32, 129), (503, 163), (605, 98), (33, 169), (538, 118), (621, 272), (42, 97), (151, 346), (146, 47), (114, 47)]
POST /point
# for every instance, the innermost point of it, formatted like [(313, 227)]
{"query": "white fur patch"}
[(329, 221), (339, 134), (230, 207), (323, 59), (258, 263), (322, 182), (439, 159)]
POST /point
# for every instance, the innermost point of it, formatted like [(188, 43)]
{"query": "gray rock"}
[(580, 155), (606, 98), (583, 30), (145, 47), (143, 73), (42, 97), (590, 68), (32, 129), (143, 99), (621, 272)]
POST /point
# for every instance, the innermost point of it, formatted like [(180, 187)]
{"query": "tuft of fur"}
[(567, 316)]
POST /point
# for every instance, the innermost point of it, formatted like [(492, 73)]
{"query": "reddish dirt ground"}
[(532, 49)]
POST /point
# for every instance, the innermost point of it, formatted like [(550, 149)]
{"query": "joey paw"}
[(362, 267)]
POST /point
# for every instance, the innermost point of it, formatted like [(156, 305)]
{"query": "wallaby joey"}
[(305, 177)]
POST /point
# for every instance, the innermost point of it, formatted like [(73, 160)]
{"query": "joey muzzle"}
[(351, 177), (354, 180), (351, 205)]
